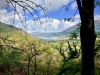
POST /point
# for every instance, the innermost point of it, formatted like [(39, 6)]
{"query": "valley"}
[(40, 53), (64, 34)]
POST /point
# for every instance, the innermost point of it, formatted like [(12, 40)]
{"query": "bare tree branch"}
[(31, 9)]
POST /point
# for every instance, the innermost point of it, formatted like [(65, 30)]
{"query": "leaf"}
[(68, 19), (65, 19), (66, 9), (98, 3), (36, 5), (95, 5)]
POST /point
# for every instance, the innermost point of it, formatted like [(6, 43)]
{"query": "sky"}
[(50, 21)]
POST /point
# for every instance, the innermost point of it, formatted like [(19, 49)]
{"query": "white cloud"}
[(97, 17), (8, 18), (54, 5), (77, 16), (55, 24), (2, 3), (65, 24), (3, 12), (74, 5), (49, 4), (50, 25), (20, 9)]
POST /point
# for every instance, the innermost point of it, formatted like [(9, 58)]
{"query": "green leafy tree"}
[(87, 32), (75, 33)]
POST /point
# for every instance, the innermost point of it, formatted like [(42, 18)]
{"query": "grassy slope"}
[(16, 36), (14, 33), (9, 29), (16, 40)]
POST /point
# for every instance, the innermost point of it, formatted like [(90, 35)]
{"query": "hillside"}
[(9, 29), (13, 31), (19, 51), (15, 37)]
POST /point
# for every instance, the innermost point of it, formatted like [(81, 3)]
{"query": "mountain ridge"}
[(66, 32), (72, 28), (10, 30)]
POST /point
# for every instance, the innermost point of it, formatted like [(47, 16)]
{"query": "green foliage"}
[(9, 58), (66, 9), (72, 53), (97, 57), (22, 54), (97, 3), (29, 52), (67, 19), (97, 49), (75, 34), (71, 68), (98, 34)]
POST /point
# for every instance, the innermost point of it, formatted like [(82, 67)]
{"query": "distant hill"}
[(13, 31), (59, 35), (71, 29), (5, 28)]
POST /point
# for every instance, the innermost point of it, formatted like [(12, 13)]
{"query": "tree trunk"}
[(87, 35)]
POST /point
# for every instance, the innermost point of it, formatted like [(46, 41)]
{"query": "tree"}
[(87, 32), (87, 35), (75, 33)]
